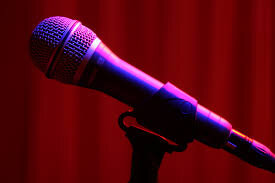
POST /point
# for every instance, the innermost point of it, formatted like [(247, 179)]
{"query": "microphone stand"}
[(148, 152), (147, 155)]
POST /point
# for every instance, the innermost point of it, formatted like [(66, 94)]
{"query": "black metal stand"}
[(147, 155), (148, 152)]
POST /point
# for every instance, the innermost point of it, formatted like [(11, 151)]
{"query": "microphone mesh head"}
[(47, 37), (72, 54)]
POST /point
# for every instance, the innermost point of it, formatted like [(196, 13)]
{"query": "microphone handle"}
[(109, 74)]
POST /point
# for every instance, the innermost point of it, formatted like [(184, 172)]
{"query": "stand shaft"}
[(147, 155)]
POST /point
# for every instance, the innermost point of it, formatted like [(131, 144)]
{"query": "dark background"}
[(219, 51)]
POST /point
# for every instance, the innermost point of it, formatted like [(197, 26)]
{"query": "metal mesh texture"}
[(45, 39), (72, 54)]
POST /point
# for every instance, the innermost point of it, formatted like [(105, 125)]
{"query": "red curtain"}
[(219, 51)]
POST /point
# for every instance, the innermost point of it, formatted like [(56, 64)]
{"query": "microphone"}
[(71, 53)]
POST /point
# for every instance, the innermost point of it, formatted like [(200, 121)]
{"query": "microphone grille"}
[(73, 53), (45, 39), (49, 35)]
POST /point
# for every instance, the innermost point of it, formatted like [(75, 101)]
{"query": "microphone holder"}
[(148, 150), (150, 135)]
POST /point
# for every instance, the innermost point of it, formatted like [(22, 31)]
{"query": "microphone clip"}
[(148, 149), (134, 131)]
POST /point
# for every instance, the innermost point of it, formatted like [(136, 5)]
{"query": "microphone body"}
[(108, 73), (129, 85), (166, 109)]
